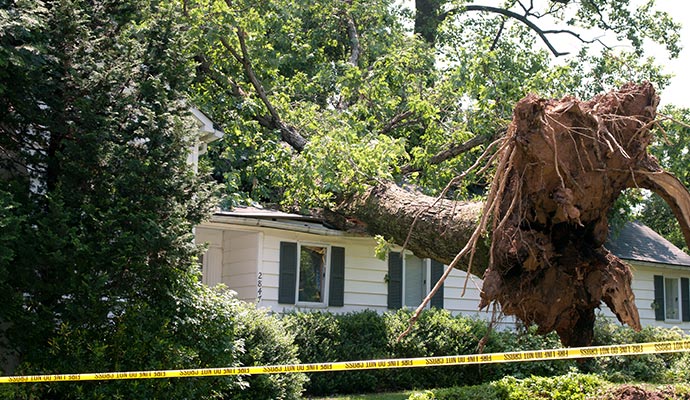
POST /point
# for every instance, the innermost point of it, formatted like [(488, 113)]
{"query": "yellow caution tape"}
[(517, 356)]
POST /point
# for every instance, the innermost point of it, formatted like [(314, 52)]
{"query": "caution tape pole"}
[(490, 358)]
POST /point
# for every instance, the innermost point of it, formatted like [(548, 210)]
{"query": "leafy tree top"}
[(373, 90)]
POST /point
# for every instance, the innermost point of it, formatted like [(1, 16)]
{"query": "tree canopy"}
[(351, 88)]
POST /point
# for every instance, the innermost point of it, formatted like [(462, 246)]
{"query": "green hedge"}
[(212, 329), (208, 328), (326, 337), (265, 341), (571, 386), (656, 368)]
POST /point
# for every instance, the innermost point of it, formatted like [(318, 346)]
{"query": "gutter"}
[(287, 226), (656, 264)]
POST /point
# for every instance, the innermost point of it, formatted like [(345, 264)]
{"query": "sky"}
[(678, 92)]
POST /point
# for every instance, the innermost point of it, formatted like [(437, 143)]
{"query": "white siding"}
[(252, 251), (232, 259), (240, 256), (643, 288), (240, 261), (212, 268), (365, 286), (468, 304)]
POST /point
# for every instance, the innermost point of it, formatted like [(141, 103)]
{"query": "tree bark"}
[(436, 227), (427, 19)]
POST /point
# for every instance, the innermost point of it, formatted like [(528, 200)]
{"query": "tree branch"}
[(452, 151), (672, 190), (204, 69), (498, 34), (288, 134), (353, 36), (577, 36), (510, 14), (396, 121)]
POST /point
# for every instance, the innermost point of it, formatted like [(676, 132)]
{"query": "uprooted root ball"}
[(564, 165)]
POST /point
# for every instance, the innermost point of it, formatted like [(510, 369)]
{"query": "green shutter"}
[(395, 280), (659, 309), (336, 289), (685, 298), (287, 278), (437, 269)]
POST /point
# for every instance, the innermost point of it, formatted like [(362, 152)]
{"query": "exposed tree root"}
[(569, 162)]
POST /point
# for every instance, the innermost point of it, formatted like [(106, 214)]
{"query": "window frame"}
[(678, 302), (426, 274), (325, 283), (394, 281), (659, 303)]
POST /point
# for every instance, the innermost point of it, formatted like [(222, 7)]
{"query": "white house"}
[(294, 262), (661, 276), (207, 133)]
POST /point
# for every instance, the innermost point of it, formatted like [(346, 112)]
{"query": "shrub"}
[(565, 387), (325, 337), (266, 342), (571, 386), (194, 331), (436, 333), (205, 328), (523, 339), (485, 391), (665, 367), (317, 336), (363, 337)]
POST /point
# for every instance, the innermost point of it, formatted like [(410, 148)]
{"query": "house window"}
[(415, 286), (671, 299), (311, 274), (410, 279)]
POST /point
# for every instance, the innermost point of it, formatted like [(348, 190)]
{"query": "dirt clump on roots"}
[(563, 165), (633, 392)]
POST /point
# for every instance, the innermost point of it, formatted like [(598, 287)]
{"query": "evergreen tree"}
[(98, 204)]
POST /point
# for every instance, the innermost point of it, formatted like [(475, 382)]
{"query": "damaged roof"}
[(635, 241)]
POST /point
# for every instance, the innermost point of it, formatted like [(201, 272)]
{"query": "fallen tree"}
[(561, 166), (359, 106)]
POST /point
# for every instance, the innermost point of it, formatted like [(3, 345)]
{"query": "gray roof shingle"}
[(638, 242)]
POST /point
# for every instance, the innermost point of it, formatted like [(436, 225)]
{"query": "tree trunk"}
[(427, 19), (436, 229), (563, 165)]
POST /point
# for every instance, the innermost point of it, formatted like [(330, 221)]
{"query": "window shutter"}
[(336, 289), (436, 273), (685, 298), (287, 275), (660, 308), (394, 280)]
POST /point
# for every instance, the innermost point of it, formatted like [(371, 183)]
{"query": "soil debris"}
[(633, 392)]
